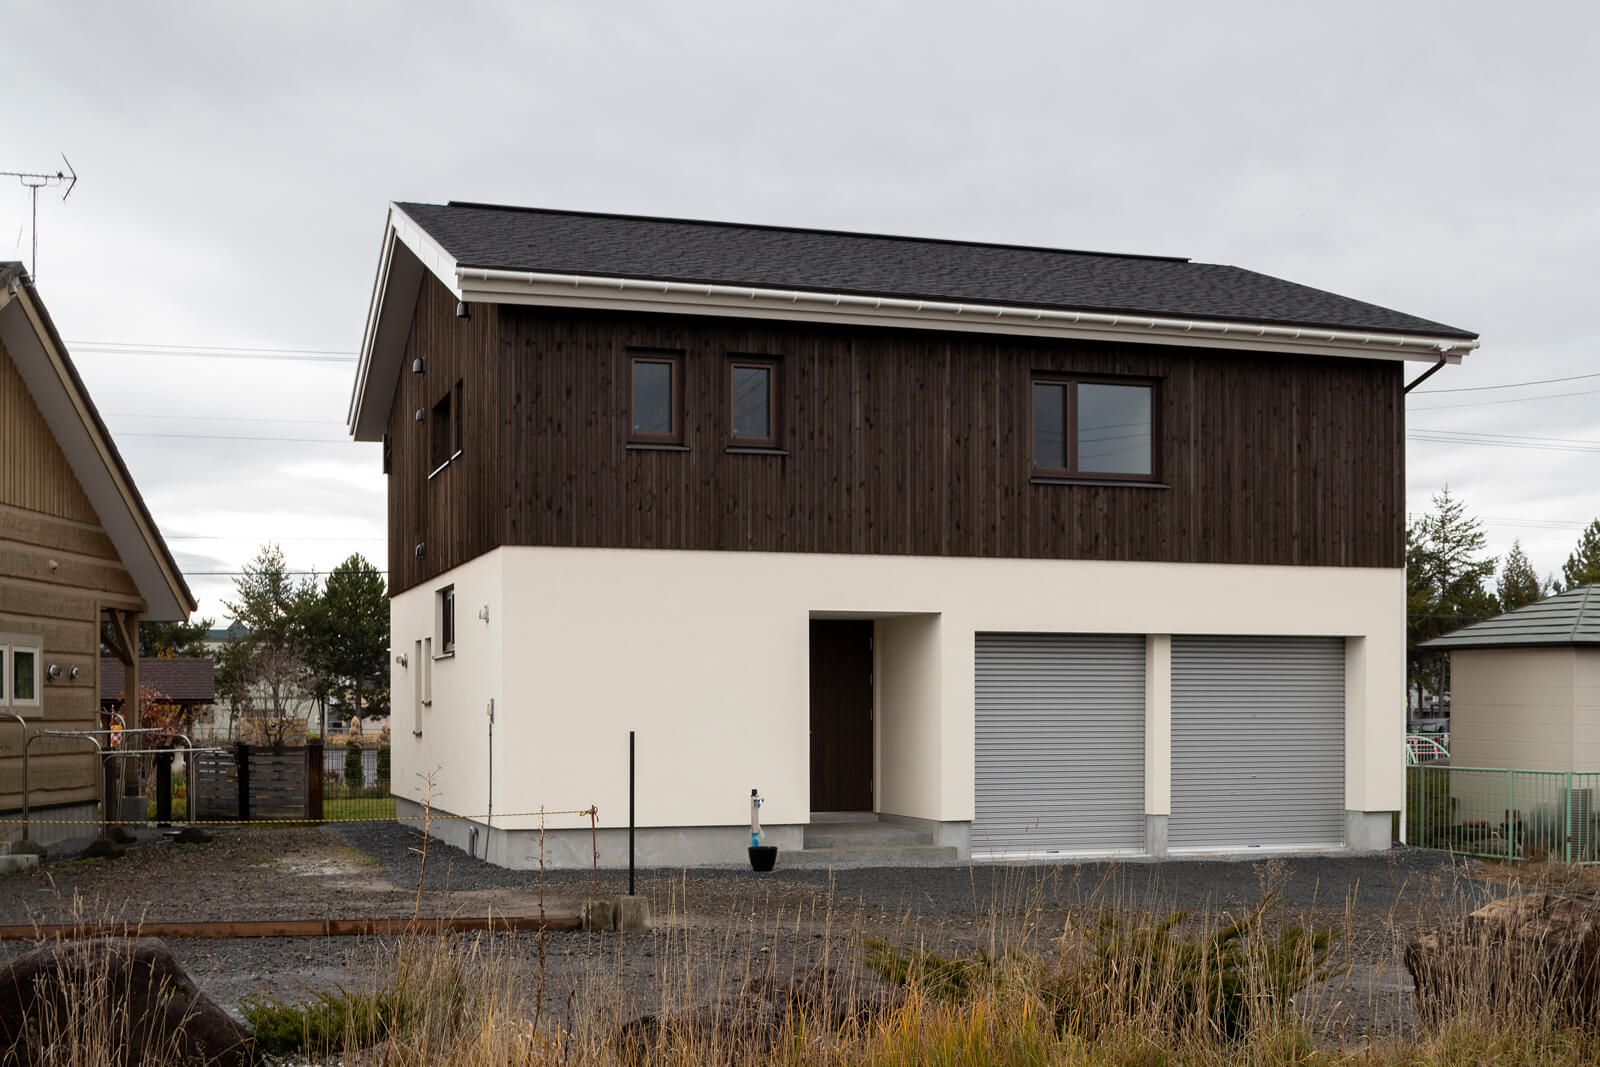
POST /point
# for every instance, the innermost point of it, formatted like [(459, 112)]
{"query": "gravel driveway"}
[(733, 922)]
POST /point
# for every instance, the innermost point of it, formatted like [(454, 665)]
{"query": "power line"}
[(221, 418), (1440, 439), (150, 346), (1514, 400), (240, 574), (255, 537), (240, 437), (1508, 385)]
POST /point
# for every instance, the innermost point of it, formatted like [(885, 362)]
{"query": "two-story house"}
[(1028, 551)]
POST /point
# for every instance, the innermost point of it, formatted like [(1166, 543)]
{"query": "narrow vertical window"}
[(5, 676), (416, 687), (458, 415), (655, 404), (753, 416), (441, 433), (427, 672), (447, 620), (1049, 426)]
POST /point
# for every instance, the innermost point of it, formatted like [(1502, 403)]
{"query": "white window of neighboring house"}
[(21, 673), (447, 620), (24, 677)]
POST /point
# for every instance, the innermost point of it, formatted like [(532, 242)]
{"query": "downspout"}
[(1425, 375), (488, 824)]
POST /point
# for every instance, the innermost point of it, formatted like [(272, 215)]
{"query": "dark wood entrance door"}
[(841, 715)]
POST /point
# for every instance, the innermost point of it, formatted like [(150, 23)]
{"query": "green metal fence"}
[(1499, 813)]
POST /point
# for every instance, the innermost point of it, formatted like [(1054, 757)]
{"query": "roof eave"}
[(116, 497), (408, 249)]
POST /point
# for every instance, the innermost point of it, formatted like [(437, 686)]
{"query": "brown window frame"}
[(675, 361), (1072, 471), (774, 437)]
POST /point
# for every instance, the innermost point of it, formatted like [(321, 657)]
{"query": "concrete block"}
[(633, 914), (599, 915), (17, 861)]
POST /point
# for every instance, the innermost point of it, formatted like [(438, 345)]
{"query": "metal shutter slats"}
[(1257, 742), (1060, 743)]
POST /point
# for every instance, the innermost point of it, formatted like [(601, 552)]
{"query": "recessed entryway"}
[(841, 715)]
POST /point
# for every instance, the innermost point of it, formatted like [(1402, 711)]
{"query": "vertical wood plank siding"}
[(900, 442)]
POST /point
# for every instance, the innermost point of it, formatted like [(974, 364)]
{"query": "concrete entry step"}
[(844, 816), (870, 856), (863, 835)]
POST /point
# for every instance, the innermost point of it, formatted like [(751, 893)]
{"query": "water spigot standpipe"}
[(755, 819)]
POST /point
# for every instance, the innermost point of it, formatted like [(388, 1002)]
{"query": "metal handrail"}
[(99, 777)]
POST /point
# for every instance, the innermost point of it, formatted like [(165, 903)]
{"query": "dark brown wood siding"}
[(900, 442), (455, 513)]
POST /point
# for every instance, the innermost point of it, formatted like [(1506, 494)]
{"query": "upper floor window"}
[(444, 429), (655, 398), (753, 402), (1094, 428)]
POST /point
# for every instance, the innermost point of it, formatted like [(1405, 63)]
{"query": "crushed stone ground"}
[(715, 927)]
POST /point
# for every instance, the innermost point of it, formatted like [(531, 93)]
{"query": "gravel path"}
[(727, 923)]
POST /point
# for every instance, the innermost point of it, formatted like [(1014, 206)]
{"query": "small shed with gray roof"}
[(1525, 686)]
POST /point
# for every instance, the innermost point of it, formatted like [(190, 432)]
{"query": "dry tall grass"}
[(1114, 978)]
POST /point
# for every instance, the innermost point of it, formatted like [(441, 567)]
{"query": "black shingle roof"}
[(568, 242), (184, 679), (1570, 618)]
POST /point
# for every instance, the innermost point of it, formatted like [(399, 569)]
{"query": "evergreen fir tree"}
[(1583, 566), (1519, 582)]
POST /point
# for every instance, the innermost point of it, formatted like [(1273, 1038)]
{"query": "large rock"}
[(123, 1001), (827, 1000), (1519, 957)]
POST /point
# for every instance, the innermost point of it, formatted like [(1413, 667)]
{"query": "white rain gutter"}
[(509, 286)]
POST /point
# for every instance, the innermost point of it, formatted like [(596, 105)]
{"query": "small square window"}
[(753, 402), (1094, 428), (655, 398)]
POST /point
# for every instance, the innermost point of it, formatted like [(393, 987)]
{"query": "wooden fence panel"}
[(216, 778)]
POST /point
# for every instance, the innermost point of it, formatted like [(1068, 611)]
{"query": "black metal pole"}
[(630, 813)]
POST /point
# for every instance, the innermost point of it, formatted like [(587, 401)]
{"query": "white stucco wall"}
[(705, 655), (906, 676)]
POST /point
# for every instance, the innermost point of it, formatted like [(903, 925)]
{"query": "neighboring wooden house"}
[(78, 549), (1525, 686), (1015, 551)]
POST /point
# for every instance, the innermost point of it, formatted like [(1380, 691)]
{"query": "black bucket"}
[(763, 857)]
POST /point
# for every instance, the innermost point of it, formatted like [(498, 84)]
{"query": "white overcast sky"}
[(236, 161)]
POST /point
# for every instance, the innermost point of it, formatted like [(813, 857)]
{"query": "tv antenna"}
[(35, 182)]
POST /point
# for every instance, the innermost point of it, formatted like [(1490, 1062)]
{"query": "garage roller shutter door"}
[(1257, 742), (1060, 744)]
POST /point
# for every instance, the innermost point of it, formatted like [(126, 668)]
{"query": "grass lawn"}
[(357, 808)]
